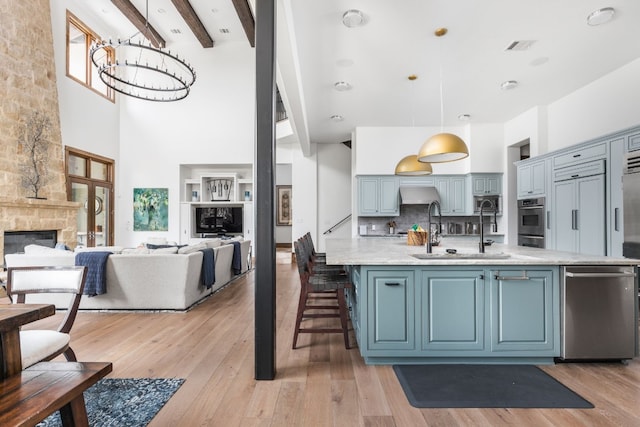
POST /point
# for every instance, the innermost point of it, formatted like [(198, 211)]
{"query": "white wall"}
[(604, 106), (304, 174), (88, 121), (214, 124), (379, 149), (486, 147), (334, 191)]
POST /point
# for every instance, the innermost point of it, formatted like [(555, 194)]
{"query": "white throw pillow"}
[(135, 251), (212, 243), (192, 248), (39, 249), (171, 250)]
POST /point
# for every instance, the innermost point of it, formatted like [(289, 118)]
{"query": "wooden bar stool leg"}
[(302, 303)]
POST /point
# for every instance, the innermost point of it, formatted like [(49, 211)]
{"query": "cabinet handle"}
[(574, 219), (392, 284), (576, 155), (616, 225), (530, 191), (575, 175), (523, 277), (548, 220), (599, 275)]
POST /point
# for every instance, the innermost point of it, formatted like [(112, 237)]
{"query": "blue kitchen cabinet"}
[(452, 310), (633, 142), (579, 214), (524, 311), (390, 310), (486, 184), (580, 155), (531, 179), (378, 196), (431, 314), (453, 196)]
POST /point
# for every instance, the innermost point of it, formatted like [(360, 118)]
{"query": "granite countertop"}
[(387, 251)]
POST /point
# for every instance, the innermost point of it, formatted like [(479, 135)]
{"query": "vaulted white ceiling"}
[(316, 50)]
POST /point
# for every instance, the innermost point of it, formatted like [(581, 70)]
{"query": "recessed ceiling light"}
[(539, 61), (509, 84), (600, 16), (342, 86), (344, 62), (336, 118), (464, 117), (353, 18)]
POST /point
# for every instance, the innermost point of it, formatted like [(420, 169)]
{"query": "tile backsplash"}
[(417, 214)]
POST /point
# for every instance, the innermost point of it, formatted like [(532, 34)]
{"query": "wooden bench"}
[(35, 393)]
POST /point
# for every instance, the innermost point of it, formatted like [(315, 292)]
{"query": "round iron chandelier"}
[(142, 70)]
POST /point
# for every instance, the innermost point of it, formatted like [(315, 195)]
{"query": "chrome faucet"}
[(495, 222), (429, 208)]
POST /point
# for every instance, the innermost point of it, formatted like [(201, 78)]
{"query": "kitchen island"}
[(502, 306)]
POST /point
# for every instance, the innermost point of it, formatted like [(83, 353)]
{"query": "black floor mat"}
[(484, 386)]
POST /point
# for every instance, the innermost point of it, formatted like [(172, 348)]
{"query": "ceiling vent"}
[(520, 45), (224, 30), (175, 31)]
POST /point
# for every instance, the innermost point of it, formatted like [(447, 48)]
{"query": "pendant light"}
[(442, 147), (409, 165)]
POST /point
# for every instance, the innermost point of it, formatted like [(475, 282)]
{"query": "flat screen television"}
[(219, 220)]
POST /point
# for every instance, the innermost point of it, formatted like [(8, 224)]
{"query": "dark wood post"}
[(265, 283)]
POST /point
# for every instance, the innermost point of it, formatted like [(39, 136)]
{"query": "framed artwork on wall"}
[(283, 205), (150, 209)]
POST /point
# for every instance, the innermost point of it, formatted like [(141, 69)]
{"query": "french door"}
[(90, 182)]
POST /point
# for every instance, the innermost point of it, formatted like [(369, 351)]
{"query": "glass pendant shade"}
[(410, 165), (443, 147)]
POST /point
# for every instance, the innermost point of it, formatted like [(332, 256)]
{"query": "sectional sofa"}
[(145, 278)]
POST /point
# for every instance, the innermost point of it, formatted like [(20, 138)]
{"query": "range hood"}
[(418, 195)]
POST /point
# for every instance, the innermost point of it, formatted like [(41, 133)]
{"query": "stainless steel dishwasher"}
[(599, 312)]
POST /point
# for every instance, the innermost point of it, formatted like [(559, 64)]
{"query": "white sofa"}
[(143, 281)]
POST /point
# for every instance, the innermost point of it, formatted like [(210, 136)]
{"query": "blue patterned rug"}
[(124, 401)]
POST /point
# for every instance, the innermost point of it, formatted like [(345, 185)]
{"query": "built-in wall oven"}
[(531, 222)]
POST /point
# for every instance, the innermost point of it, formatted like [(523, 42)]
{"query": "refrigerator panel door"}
[(631, 200)]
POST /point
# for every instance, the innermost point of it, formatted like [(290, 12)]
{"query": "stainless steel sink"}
[(498, 255)]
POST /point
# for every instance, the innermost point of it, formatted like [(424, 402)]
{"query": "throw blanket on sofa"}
[(96, 282), (208, 268), (236, 261)]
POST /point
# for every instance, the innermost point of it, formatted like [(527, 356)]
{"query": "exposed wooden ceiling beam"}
[(191, 18), (246, 18), (140, 22)]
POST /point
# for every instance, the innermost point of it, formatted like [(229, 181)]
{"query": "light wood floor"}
[(319, 384)]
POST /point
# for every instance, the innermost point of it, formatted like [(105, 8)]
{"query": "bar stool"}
[(323, 288)]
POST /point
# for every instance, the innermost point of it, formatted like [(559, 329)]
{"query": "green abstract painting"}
[(150, 209)]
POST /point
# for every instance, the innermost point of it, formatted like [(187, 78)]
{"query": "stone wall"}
[(28, 85)]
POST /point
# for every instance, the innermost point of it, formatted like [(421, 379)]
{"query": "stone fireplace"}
[(28, 85), (36, 215)]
